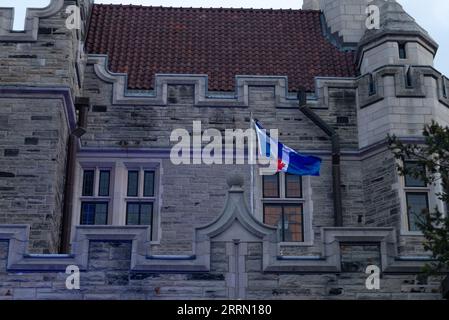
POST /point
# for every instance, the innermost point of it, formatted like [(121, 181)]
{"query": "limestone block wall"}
[(387, 53), (188, 198), (346, 18), (33, 137), (109, 275)]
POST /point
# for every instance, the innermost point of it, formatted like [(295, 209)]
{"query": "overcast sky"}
[(433, 15)]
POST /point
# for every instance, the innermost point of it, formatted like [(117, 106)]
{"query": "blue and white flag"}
[(288, 160)]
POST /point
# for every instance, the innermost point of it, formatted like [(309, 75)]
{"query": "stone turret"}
[(399, 90), (399, 40)]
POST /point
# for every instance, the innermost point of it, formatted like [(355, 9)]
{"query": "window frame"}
[(95, 197), (407, 193), (142, 168), (94, 202), (305, 201), (140, 203), (118, 167), (402, 50), (432, 200), (426, 189)]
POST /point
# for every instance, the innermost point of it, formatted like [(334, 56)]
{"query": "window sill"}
[(406, 233), (89, 198), (296, 244)]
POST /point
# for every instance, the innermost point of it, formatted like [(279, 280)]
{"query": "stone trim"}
[(417, 90), (323, 84), (284, 99), (53, 92), (367, 45), (31, 21), (203, 98)]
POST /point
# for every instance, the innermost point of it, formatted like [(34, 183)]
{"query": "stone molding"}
[(416, 90), (44, 92), (203, 98), (159, 96), (31, 21)]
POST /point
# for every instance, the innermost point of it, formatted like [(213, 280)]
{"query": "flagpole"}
[(251, 159)]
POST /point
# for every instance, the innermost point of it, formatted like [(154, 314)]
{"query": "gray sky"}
[(432, 15)]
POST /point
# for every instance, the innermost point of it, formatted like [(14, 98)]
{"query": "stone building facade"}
[(86, 179)]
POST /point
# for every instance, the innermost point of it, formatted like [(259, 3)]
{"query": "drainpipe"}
[(82, 106), (335, 140)]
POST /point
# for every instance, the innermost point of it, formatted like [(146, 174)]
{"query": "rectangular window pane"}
[(293, 223), (402, 51), (88, 182), (87, 213), (417, 206), (132, 213), (133, 183), (411, 181), (148, 184), (139, 213), (146, 211), (271, 186), (94, 213), (293, 186), (273, 217), (101, 213), (103, 186), (288, 219)]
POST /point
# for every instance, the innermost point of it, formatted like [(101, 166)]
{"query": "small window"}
[(103, 184), (402, 51), (133, 183), (372, 86), (444, 88), (283, 205), (411, 181), (141, 189), (94, 213), (148, 184), (88, 183), (417, 207), (139, 213), (416, 194)]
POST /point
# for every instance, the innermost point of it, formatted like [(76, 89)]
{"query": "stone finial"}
[(235, 182)]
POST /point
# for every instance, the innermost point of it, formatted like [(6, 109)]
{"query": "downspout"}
[(336, 154), (82, 106)]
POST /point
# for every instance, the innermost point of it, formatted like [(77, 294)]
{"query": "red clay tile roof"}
[(222, 43)]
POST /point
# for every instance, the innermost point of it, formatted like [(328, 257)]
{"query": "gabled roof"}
[(222, 43)]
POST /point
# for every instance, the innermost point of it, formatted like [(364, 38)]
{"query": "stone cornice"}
[(43, 92)]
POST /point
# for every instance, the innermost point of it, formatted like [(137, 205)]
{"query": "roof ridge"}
[(209, 8)]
